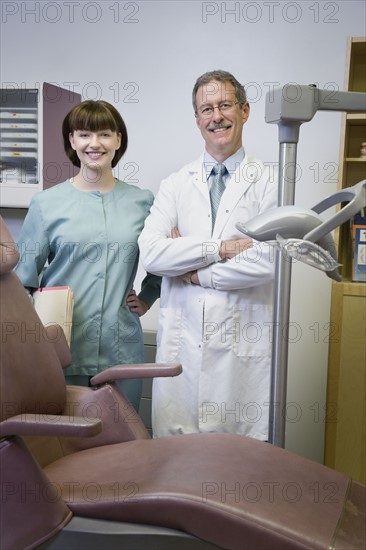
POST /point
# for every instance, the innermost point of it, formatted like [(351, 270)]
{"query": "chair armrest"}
[(138, 370), (50, 424)]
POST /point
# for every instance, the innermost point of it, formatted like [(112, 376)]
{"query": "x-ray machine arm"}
[(289, 107)]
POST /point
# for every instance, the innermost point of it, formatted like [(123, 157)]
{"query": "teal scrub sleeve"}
[(33, 246), (150, 289)]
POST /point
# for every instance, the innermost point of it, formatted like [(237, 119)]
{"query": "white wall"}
[(144, 56)]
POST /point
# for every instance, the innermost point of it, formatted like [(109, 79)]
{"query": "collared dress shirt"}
[(231, 164)]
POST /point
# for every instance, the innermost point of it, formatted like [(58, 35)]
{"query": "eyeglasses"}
[(208, 110)]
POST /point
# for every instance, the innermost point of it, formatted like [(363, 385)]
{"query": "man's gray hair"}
[(219, 76)]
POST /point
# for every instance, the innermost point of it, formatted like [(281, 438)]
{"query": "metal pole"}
[(281, 314)]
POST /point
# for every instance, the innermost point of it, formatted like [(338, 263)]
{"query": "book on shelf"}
[(359, 249), (55, 305)]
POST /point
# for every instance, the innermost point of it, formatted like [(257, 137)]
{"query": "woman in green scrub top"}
[(83, 233)]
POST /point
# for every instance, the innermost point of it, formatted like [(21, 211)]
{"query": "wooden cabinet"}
[(345, 434), (32, 156)]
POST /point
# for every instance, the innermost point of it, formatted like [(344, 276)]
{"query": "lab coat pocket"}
[(251, 330), (169, 334)]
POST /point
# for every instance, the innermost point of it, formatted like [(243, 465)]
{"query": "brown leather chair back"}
[(31, 381), (31, 376)]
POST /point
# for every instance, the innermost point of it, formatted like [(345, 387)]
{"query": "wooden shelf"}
[(345, 432), (355, 119)]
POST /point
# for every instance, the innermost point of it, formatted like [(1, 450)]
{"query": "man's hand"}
[(135, 304), (175, 233), (191, 277), (230, 249)]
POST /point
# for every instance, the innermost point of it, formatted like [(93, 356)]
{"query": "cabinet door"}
[(346, 406), (57, 102)]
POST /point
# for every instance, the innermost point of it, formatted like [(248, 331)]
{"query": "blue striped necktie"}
[(217, 189)]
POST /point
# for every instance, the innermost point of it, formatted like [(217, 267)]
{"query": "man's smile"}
[(218, 129)]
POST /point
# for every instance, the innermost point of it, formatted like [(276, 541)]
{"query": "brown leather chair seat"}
[(226, 489)]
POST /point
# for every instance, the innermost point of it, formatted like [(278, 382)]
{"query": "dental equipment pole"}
[(289, 107)]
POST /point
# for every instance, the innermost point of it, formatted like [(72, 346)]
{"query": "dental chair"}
[(79, 470)]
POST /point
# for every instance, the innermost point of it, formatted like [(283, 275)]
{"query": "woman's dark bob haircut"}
[(94, 116)]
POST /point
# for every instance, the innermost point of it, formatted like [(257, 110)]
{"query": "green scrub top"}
[(88, 241)]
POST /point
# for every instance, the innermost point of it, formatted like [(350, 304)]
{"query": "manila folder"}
[(55, 305)]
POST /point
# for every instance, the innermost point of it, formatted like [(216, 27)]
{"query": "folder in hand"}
[(55, 305)]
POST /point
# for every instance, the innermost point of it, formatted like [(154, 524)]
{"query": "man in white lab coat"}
[(215, 312)]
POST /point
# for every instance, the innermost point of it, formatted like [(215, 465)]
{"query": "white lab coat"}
[(221, 330)]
